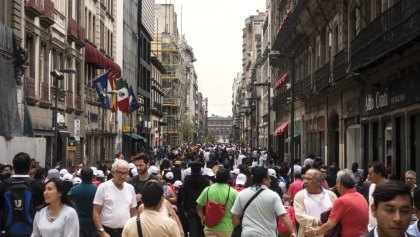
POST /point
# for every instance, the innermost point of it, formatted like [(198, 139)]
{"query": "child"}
[(283, 232)]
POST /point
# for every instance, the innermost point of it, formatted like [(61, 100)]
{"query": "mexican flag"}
[(123, 101)]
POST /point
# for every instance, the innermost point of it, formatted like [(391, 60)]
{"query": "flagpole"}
[(131, 121)]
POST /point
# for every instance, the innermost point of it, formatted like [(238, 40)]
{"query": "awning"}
[(281, 128), (283, 79), (135, 137), (95, 57), (287, 140)]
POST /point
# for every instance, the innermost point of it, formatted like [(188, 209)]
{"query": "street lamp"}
[(257, 115), (57, 74), (274, 55), (268, 85), (246, 115)]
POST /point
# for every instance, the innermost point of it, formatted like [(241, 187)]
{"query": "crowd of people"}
[(214, 190)]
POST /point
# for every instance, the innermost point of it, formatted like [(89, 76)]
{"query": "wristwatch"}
[(100, 230)]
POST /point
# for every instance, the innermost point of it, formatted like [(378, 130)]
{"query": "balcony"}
[(69, 102), (72, 29), (299, 89), (30, 90), (81, 37), (171, 102), (78, 102), (33, 7), (391, 31), (307, 90), (322, 77), (340, 66), (281, 100), (45, 95), (47, 18)]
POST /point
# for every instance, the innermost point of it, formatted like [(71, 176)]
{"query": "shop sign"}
[(71, 144)]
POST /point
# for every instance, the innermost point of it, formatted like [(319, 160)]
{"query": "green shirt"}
[(218, 193)]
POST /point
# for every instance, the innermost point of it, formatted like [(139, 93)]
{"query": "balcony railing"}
[(299, 89), (396, 27), (340, 64), (72, 29), (322, 77), (30, 87), (79, 102), (33, 7), (281, 100), (48, 13), (45, 92), (69, 99), (171, 101), (307, 90)]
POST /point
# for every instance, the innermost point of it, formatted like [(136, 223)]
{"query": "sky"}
[(213, 28)]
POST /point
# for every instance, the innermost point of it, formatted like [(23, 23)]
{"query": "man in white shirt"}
[(260, 217), (240, 158), (114, 202)]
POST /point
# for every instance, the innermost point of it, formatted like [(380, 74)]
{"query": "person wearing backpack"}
[(16, 217)]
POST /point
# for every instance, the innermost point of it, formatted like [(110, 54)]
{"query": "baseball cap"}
[(235, 171), (178, 184), (100, 174), (241, 179), (169, 175), (52, 173), (131, 166), (63, 172), (68, 177), (272, 172), (208, 172), (77, 180), (153, 170), (95, 170)]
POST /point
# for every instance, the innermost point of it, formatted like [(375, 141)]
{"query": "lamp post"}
[(57, 74), (273, 55), (268, 85), (246, 115), (258, 121)]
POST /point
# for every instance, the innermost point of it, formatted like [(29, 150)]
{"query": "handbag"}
[(214, 211), (237, 231), (336, 230)]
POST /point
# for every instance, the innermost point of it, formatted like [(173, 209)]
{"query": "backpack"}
[(290, 211), (18, 208)]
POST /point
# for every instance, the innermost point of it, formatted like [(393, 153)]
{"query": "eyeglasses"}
[(119, 173)]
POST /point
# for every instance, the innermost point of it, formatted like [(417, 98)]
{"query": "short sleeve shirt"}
[(116, 203), (260, 218), (351, 210), (218, 193)]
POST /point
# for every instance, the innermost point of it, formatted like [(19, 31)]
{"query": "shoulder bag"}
[(336, 230), (237, 231), (215, 211), (139, 230)]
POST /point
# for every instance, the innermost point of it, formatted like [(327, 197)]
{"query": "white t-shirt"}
[(115, 203), (372, 220), (240, 158), (261, 215)]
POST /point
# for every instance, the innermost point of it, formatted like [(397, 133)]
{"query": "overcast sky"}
[(214, 29)]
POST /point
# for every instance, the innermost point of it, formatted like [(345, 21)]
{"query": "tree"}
[(210, 138)]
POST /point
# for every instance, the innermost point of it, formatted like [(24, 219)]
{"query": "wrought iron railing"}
[(307, 89), (322, 77), (340, 65), (394, 28)]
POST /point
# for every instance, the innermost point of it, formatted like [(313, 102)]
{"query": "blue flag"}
[(101, 84), (134, 105)]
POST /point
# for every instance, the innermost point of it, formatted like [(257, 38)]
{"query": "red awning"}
[(283, 79), (281, 128), (95, 57)]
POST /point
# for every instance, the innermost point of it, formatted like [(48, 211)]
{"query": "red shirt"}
[(351, 210), (294, 188)]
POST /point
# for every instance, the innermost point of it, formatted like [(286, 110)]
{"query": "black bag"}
[(336, 230), (139, 229), (237, 231), (18, 211)]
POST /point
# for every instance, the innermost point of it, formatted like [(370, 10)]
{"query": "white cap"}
[(241, 179), (272, 172), (134, 172), (178, 184), (68, 177), (169, 175), (63, 172), (100, 174), (77, 180), (235, 171), (95, 170), (153, 169), (187, 172), (208, 172), (131, 166)]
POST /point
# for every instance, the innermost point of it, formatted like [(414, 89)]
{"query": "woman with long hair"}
[(57, 217)]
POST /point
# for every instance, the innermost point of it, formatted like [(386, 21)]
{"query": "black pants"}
[(195, 228), (88, 231), (113, 232)]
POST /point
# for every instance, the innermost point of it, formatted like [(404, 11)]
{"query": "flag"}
[(122, 96), (134, 105), (101, 84), (112, 86), (27, 121)]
